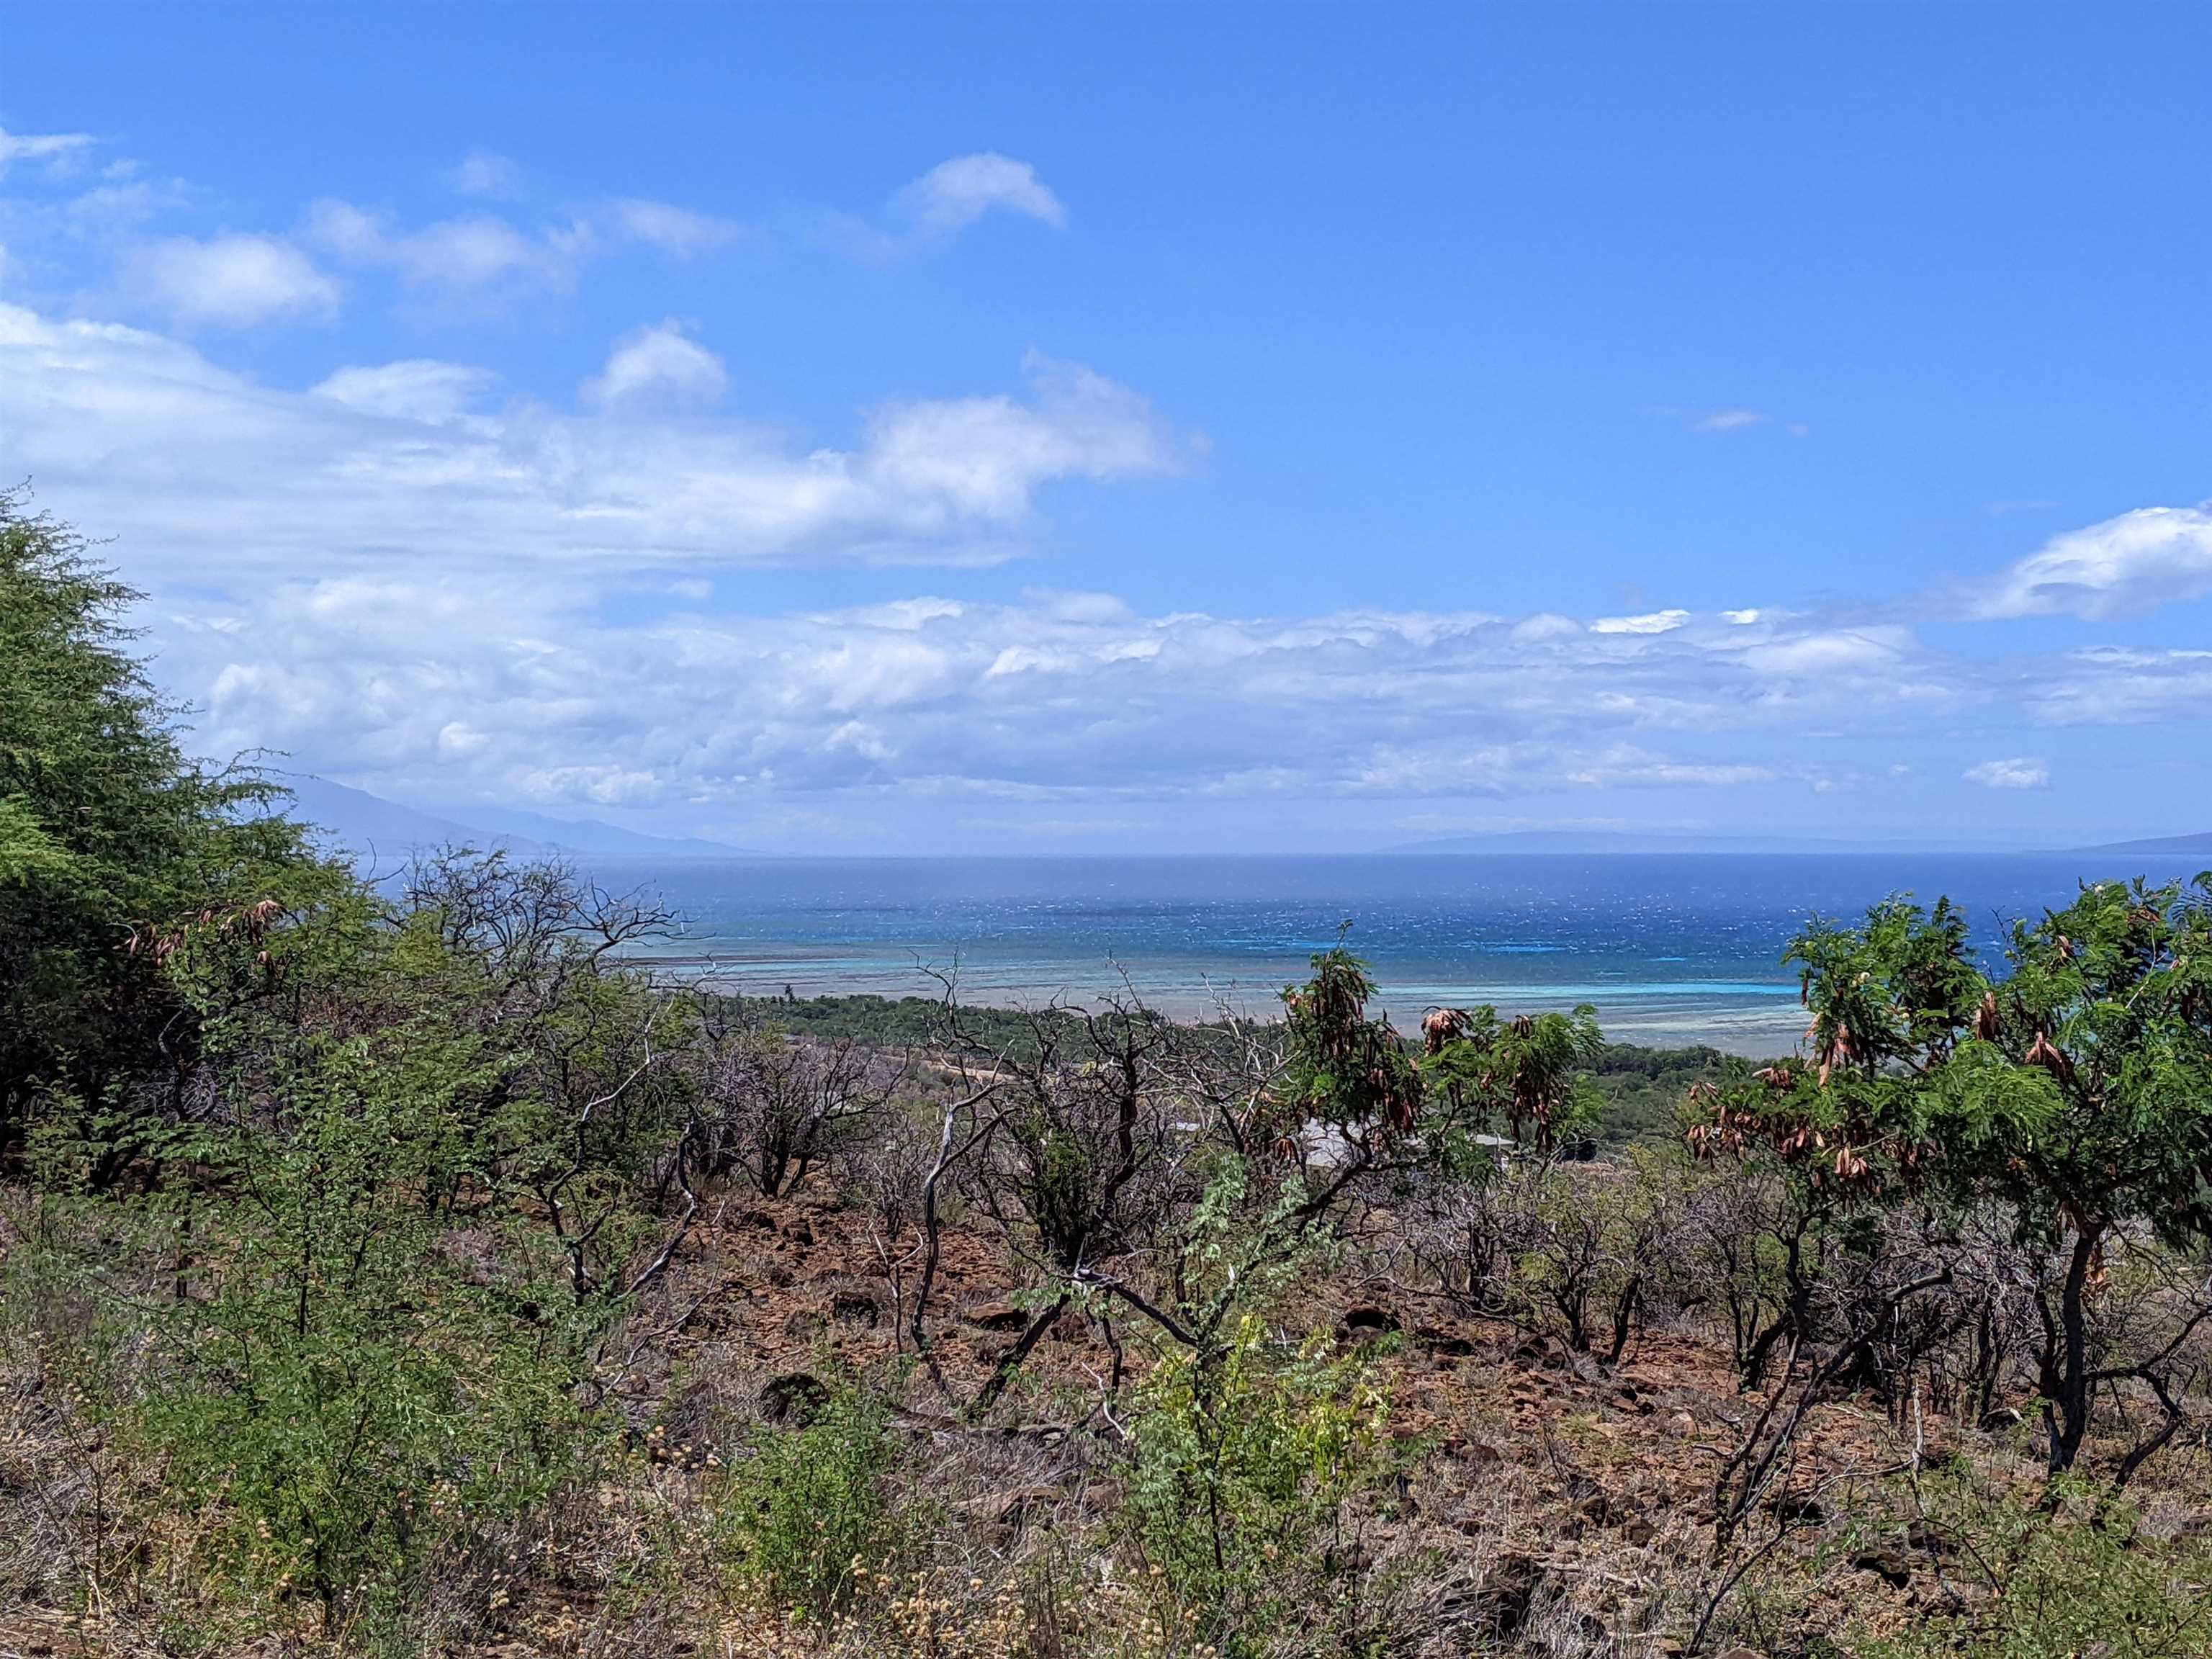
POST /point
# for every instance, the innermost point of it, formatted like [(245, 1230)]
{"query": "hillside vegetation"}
[(395, 1271)]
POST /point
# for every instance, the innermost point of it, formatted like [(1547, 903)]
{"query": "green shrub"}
[(346, 1399), (2041, 1584), (809, 1515), (1253, 1470)]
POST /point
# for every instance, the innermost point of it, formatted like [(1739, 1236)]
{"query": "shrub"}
[(341, 1405), (2040, 1584), (809, 1515), (1253, 1471)]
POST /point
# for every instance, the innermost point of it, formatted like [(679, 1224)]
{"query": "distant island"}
[(1615, 840), (365, 823), (2196, 846), (1618, 841)]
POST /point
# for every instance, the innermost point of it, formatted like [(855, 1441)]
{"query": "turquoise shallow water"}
[(1671, 947)]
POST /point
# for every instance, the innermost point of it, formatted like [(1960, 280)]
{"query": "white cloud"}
[(478, 250), (349, 232), (1817, 650), (464, 252), (1727, 420), (1657, 622), (678, 232), (983, 454), (414, 390), (2015, 773), (2134, 562), (198, 468), (48, 148), (946, 200), (482, 173), (660, 366), (2113, 685), (1056, 695), (231, 282), (953, 195), (303, 547)]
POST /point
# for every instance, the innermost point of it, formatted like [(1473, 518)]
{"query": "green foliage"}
[(2094, 1076), (1596, 1245), (110, 837), (1253, 1470), (809, 1517), (1347, 1069), (1643, 1089), (1529, 1074), (2039, 1585), (2079, 1086), (342, 1393), (2075, 1091)]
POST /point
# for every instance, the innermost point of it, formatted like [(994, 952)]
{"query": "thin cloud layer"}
[(948, 199), (46, 147), (482, 173), (238, 279)]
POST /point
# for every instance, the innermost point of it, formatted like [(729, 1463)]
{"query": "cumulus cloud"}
[(303, 546), (1655, 621), (1053, 695), (2015, 773), (463, 252), (2134, 562), (658, 365), (196, 467), (230, 282)]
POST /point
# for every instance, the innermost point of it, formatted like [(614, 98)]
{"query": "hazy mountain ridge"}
[(369, 824), (2199, 844), (1613, 840), (1606, 840)]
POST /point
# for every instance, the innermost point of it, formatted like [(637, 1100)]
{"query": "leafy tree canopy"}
[(112, 839)]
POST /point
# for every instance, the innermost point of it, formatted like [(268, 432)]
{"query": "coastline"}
[(1752, 1018)]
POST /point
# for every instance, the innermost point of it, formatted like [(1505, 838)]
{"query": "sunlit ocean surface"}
[(1671, 947)]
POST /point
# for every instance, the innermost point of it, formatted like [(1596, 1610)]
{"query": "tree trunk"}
[(2066, 1387)]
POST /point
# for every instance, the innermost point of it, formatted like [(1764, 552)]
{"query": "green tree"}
[(111, 838), (2076, 1089)]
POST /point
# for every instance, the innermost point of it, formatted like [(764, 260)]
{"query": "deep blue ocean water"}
[(1671, 947)]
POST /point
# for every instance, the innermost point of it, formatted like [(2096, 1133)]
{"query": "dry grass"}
[(1553, 1510)]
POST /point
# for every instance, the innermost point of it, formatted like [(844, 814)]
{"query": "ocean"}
[(1672, 948)]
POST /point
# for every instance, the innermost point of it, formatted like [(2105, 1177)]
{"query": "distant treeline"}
[(1644, 1087)]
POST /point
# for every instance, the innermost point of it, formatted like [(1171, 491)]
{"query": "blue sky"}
[(839, 429)]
